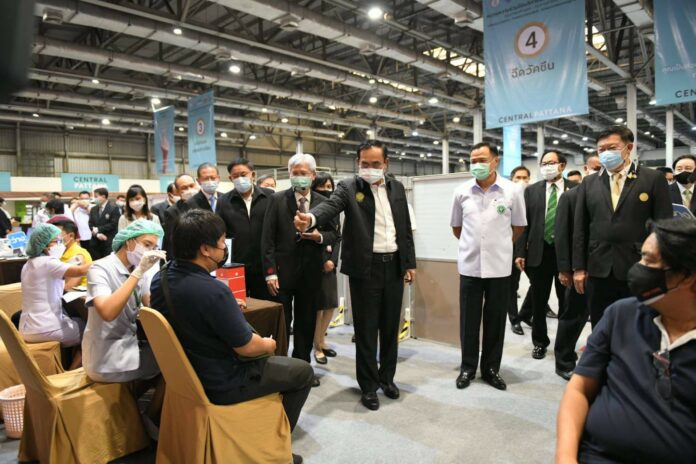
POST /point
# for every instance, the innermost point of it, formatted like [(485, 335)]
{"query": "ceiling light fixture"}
[(223, 135), (95, 81), (618, 120), (373, 99), (653, 101), (155, 101), (456, 119), (105, 121), (375, 13), (433, 100), (371, 81), (264, 110), (429, 155), (414, 133), (36, 115), (584, 139), (564, 136), (235, 69), (252, 137), (435, 142), (555, 142), (177, 31), (181, 129), (284, 120), (646, 132), (341, 135)]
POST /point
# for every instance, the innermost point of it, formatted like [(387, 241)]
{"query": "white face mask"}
[(210, 186), (370, 175), (175, 198), (136, 205), (242, 184), (188, 194), (56, 251), (549, 172), (134, 257), (592, 171)]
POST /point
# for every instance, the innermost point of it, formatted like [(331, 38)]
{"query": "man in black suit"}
[(293, 262), (572, 317), (610, 216), (534, 251), (519, 175), (243, 210), (185, 188), (103, 220), (682, 190), (378, 255), (162, 206)]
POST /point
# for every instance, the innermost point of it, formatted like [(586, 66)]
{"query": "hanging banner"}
[(5, 184), (88, 182), (164, 141), (534, 53), (165, 181), (675, 54), (512, 148), (201, 130)]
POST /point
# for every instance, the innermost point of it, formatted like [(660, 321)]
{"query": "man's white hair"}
[(302, 158)]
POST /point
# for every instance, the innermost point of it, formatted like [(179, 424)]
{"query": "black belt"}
[(383, 257)]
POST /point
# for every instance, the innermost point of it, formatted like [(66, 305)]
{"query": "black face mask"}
[(684, 177), (224, 259), (326, 193), (648, 284)]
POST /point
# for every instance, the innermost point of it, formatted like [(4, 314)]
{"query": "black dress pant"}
[(99, 248), (291, 377), (476, 294), (304, 302), (525, 312), (376, 306), (541, 278), (602, 292), (571, 320), (87, 245), (256, 286)]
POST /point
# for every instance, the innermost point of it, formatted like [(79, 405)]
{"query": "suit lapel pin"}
[(106, 216), (500, 209), (359, 197), (643, 197), (631, 175)]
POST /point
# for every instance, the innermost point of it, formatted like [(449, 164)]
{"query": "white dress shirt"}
[(247, 201), (622, 181), (207, 197), (486, 219), (385, 232)]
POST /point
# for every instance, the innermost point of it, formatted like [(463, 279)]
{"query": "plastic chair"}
[(68, 418), (195, 431)]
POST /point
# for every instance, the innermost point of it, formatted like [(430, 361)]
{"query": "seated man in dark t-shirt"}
[(218, 341), (632, 397)]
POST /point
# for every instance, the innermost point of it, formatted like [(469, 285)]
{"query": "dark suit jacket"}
[(5, 224), (170, 216), (676, 197), (159, 210), (245, 230), (607, 241), (295, 262), (530, 245), (199, 201), (565, 215), (354, 197), (107, 221)]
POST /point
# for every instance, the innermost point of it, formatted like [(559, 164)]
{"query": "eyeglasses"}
[(610, 147), (550, 163), (661, 363)]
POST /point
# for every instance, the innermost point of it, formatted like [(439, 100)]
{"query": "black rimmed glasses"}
[(661, 363)]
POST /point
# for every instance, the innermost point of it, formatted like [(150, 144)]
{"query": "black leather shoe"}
[(321, 358), (465, 379), (539, 352), (550, 313), (370, 400), (297, 459), (527, 321), (517, 329), (315, 382), (328, 352), (565, 375), (390, 390), (492, 378)]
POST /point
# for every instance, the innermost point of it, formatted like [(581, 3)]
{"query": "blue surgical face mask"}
[(480, 171), (242, 184), (611, 159)]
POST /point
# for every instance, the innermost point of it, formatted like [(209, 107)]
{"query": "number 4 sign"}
[(531, 40)]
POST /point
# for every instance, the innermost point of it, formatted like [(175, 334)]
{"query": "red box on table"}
[(233, 275)]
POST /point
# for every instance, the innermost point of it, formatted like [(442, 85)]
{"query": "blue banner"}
[(201, 130), (534, 53), (675, 51), (165, 181), (88, 182), (512, 148), (5, 184), (164, 141)]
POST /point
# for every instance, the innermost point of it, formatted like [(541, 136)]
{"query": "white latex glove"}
[(149, 259)]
